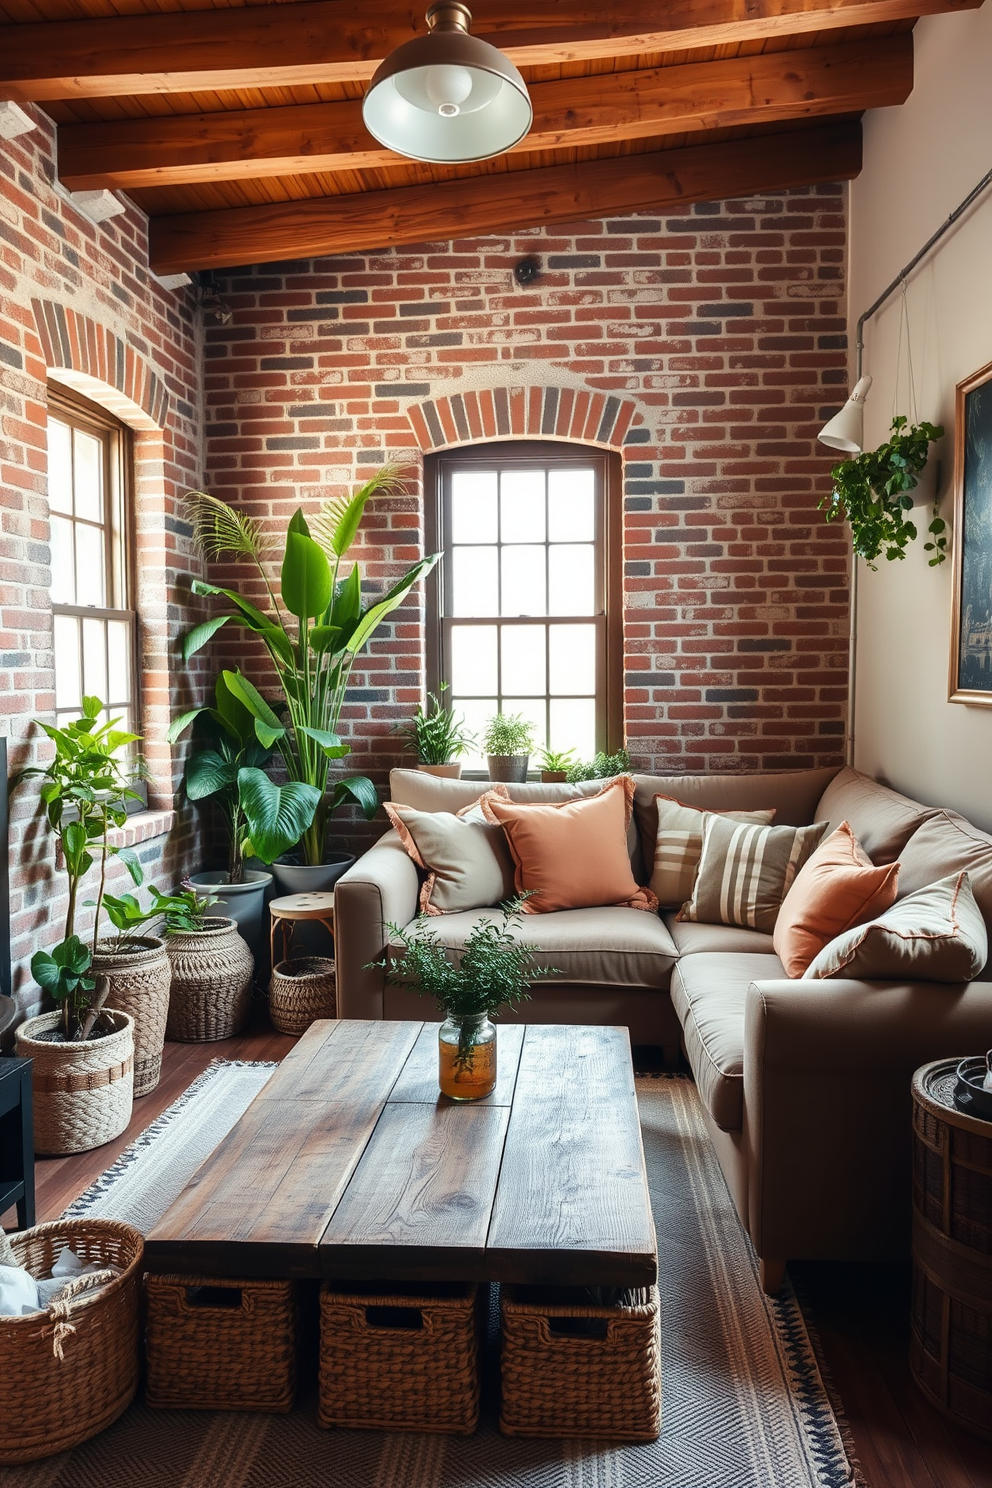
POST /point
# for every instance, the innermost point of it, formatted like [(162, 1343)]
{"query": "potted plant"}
[(312, 629), (492, 972), (135, 965), (555, 764), (602, 766), (211, 968), (871, 490), (437, 735), (508, 741), (83, 1052)]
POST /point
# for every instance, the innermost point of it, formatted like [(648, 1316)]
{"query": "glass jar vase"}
[(467, 1057)]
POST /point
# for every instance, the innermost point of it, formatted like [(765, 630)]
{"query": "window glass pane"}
[(571, 505), (88, 475), (474, 585), (573, 658), (91, 588), (573, 725), (95, 659), (522, 506), (534, 710), (63, 568), (473, 506), (68, 683), (473, 660), (572, 579), (119, 680), (59, 466), (524, 668), (523, 581), (477, 713)]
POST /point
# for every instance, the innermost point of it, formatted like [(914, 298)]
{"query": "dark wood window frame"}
[(609, 546)]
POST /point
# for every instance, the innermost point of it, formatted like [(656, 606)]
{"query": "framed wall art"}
[(971, 621)]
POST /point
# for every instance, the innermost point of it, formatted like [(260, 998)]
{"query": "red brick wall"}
[(707, 347), (78, 299)]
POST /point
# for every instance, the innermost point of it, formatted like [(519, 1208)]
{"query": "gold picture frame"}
[(970, 678)]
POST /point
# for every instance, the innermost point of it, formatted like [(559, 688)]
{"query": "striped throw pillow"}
[(679, 844), (745, 871)]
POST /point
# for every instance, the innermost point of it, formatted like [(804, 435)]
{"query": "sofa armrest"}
[(380, 889), (827, 1106)]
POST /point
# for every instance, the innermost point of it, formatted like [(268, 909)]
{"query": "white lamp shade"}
[(447, 97), (846, 430)]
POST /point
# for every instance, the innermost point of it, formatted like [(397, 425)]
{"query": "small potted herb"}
[(437, 736), (871, 490), (211, 965), (602, 767), (508, 741), (555, 764), (492, 972)]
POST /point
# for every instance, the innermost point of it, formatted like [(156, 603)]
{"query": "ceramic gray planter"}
[(508, 767), (301, 878), (244, 903)]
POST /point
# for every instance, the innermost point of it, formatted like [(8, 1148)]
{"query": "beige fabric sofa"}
[(805, 1085)]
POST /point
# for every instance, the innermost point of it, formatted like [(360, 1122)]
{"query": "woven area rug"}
[(745, 1405)]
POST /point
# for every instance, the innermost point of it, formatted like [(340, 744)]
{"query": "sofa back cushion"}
[(837, 887), (945, 843), (882, 820)]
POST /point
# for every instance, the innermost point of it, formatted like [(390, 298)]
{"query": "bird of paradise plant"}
[(313, 628)]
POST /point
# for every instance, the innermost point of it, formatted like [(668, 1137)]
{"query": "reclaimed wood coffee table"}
[(350, 1164)]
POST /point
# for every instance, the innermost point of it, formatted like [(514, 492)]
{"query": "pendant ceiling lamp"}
[(846, 430), (447, 97)]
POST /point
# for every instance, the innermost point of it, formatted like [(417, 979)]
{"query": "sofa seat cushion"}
[(708, 993), (691, 939), (603, 947), (882, 820)]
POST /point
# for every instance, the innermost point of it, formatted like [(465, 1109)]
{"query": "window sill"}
[(141, 827)]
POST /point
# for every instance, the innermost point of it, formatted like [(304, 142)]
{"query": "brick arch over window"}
[(73, 343), (581, 415)]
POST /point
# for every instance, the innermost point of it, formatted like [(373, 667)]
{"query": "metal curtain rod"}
[(904, 273)]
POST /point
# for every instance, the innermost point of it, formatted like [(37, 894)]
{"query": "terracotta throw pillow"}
[(937, 934), (573, 855), (746, 871), (679, 844), (837, 887), (466, 859)]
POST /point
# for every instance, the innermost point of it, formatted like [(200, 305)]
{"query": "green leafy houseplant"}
[(314, 626), (508, 733), (556, 761), (601, 767), (870, 491), (185, 911), (435, 734)]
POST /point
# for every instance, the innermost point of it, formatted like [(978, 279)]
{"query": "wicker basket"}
[(399, 1363), (70, 1372), (300, 992), (139, 986), (570, 1370), (216, 1343), (82, 1092), (212, 970)]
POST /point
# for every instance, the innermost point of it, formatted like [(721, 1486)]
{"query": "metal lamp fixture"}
[(846, 430), (447, 97)]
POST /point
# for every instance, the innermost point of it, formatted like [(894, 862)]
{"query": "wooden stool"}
[(293, 908)]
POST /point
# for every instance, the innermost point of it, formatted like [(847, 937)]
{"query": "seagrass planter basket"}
[(82, 1093), (216, 1343), (70, 1371), (212, 973), (139, 975), (396, 1362), (301, 991), (574, 1370)]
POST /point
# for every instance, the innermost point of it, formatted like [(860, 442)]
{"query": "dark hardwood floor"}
[(860, 1312)]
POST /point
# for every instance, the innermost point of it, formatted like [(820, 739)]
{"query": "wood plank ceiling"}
[(238, 128)]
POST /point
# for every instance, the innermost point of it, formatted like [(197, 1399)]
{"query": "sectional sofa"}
[(805, 1085)]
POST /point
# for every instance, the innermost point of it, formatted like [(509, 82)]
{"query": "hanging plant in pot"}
[(871, 492), (437, 736), (508, 741), (313, 630)]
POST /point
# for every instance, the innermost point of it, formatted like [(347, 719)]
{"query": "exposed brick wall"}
[(723, 331), (78, 299)]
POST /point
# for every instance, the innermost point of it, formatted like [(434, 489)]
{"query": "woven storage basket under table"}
[(50, 1403), (396, 1361), (301, 991), (573, 1370), (219, 1343)]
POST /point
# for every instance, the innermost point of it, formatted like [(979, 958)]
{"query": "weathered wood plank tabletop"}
[(350, 1163)]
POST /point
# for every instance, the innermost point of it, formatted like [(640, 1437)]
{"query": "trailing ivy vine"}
[(870, 491)]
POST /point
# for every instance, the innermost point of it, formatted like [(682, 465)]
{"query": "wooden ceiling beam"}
[(325, 137), (320, 41), (667, 180)]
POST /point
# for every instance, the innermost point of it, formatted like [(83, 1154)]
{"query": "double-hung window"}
[(525, 616)]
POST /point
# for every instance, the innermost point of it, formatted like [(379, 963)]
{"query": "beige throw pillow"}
[(936, 934), (466, 859), (745, 871), (679, 843)]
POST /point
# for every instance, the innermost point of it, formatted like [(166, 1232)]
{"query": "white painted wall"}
[(920, 161)]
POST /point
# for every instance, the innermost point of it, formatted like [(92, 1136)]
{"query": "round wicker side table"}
[(951, 1338), (302, 989)]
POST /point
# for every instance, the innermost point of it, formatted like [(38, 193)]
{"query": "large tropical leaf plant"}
[(314, 625)]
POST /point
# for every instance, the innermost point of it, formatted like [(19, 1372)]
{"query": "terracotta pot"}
[(82, 1092), (140, 977), (451, 771), (508, 767), (553, 777)]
